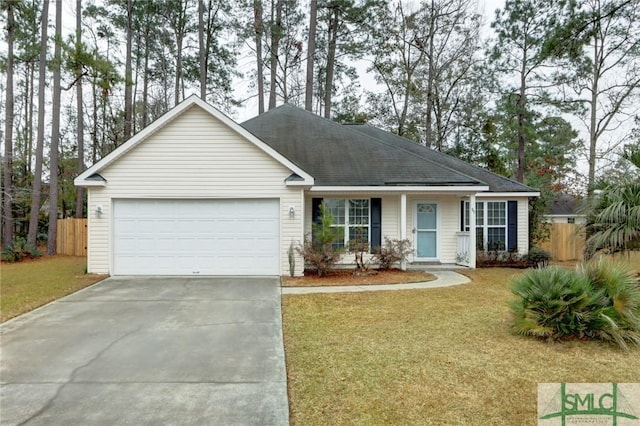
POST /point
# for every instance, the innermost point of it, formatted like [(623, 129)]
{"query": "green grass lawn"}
[(26, 285), (436, 356)]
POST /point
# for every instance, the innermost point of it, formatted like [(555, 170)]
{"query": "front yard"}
[(437, 356), (27, 285)]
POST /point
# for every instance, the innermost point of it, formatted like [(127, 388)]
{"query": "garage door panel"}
[(187, 226), (203, 237), (162, 264)]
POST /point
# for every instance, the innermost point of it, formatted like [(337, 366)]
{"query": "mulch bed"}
[(351, 277), (498, 264)]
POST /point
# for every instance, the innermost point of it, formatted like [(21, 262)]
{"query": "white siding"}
[(523, 225), (391, 217), (98, 238), (194, 156)]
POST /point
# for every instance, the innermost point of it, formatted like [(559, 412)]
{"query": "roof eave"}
[(87, 183), (509, 194), (403, 188), (306, 182)]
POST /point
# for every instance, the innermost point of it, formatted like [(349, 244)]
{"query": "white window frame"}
[(347, 225), (482, 221)]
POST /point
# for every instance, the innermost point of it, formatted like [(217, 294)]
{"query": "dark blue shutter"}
[(376, 223), (512, 225), (315, 214), (462, 215), (315, 209)]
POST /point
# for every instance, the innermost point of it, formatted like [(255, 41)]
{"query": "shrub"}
[(539, 256), (497, 258), (292, 259), (359, 245), (621, 289), (598, 301), (19, 250), (322, 249), (392, 251)]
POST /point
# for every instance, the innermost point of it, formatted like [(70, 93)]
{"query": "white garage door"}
[(196, 237)]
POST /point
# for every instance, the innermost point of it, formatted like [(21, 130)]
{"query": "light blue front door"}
[(426, 230)]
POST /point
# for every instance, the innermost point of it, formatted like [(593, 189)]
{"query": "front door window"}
[(426, 230)]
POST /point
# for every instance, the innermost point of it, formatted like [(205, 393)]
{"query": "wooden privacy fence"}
[(72, 237), (566, 241)]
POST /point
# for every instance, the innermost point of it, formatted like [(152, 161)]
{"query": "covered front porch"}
[(435, 222), (430, 218)]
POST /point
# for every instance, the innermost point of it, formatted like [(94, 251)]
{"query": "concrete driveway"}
[(156, 351)]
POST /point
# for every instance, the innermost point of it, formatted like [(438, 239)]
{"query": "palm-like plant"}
[(614, 214), (600, 301), (554, 303)]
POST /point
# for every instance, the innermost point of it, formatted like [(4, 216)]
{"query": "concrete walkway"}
[(443, 279)]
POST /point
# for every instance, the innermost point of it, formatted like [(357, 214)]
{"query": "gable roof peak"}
[(169, 116)]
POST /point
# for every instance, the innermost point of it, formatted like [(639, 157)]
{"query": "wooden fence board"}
[(566, 241), (72, 237)]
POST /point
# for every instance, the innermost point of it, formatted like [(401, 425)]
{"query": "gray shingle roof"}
[(566, 204), (496, 182), (345, 155)]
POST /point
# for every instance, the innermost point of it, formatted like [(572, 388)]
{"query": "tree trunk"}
[(134, 93), (430, 78), (179, 41), (179, 32), (80, 112), (521, 111), (145, 78), (128, 83), (257, 25), (521, 138), (55, 136), (593, 123), (94, 130), (202, 55), (331, 61), (7, 239), (34, 213), (276, 34), (29, 119), (311, 51)]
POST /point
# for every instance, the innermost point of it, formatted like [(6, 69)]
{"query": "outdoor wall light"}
[(98, 210), (292, 212)]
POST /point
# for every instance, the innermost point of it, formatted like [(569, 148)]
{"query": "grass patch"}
[(27, 285), (631, 259), (437, 356)]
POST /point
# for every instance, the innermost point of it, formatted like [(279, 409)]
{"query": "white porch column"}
[(472, 230), (403, 224)]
